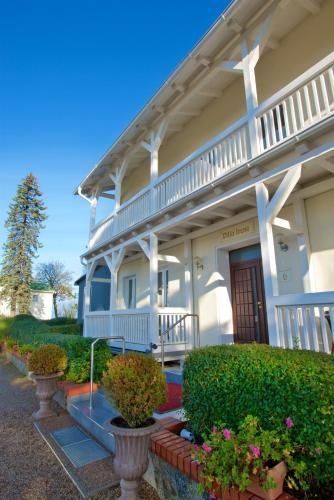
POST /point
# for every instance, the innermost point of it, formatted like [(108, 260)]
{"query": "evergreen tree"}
[(24, 222)]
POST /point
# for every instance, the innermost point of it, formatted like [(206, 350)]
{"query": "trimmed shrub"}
[(60, 321), (5, 324), (25, 349), (227, 383), (31, 325), (136, 384), (47, 360)]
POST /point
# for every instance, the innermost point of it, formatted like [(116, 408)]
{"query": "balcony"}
[(303, 104)]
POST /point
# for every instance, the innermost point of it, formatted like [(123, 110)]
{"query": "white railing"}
[(301, 104), (133, 325), (304, 102), (227, 152), (103, 231), (97, 324), (306, 321), (133, 211), (177, 335)]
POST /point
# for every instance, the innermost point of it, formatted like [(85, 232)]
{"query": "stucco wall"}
[(43, 308)]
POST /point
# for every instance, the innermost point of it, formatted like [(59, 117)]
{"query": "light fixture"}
[(281, 243), (198, 263)]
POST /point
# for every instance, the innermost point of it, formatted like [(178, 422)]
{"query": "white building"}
[(221, 193), (41, 303)]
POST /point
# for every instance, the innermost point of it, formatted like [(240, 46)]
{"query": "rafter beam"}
[(169, 258), (287, 226), (145, 247), (222, 212)]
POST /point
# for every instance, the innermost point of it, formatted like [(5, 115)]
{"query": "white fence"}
[(178, 334), (133, 325), (97, 324), (134, 211), (304, 102), (306, 321)]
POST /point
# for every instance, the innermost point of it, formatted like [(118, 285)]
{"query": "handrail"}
[(171, 327), (92, 363)]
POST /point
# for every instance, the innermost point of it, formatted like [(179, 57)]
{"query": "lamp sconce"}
[(198, 263), (284, 247)]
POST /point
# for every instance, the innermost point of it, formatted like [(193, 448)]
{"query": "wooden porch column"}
[(87, 297), (117, 180), (153, 253), (267, 213), (188, 287), (153, 148)]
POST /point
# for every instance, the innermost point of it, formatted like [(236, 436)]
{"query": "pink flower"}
[(196, 447), (256, 451), (214, 429), (206, 448), (289, 422), (227, 434), (212, 496), (318, 451)]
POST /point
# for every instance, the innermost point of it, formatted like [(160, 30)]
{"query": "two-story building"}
[(221, 192)]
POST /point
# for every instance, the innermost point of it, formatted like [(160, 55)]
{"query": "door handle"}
[(259, 304)]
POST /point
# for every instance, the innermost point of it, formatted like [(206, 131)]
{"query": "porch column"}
[(114, 262), (188, 288), (267, 215), (117, 179), (153, 147), (87, 297), (246, 66), (153, 254)]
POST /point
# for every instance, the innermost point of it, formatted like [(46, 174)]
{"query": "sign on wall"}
[(240, 230)]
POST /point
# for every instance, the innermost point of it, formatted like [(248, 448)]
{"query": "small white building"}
[(221, 192), (41, 303)]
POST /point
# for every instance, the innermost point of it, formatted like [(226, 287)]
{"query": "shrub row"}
[(27, 334), (227, 383), (30, 324)]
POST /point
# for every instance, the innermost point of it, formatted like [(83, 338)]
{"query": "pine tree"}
[(24, 222)]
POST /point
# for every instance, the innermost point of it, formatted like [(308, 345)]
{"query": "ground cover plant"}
[(227, 383), (25, 333)]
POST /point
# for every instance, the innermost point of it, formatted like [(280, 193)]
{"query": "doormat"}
[(174, 398), (87, 463)]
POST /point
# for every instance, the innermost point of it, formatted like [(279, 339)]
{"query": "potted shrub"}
[(135, 384), (47, 364), (252, 459)]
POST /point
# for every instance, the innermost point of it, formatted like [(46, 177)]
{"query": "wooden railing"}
[(306, 321), (227, 152), (133, 325), (301, 104), (306, 101), (97, 324)]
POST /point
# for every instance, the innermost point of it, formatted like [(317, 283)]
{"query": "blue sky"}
[(73, 74)]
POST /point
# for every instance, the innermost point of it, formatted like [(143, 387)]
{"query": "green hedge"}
[(60, 321), (5, 324), (32, 332), (227, 383), (29, 324)]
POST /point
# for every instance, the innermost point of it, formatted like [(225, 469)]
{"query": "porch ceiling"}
[(196, 81)]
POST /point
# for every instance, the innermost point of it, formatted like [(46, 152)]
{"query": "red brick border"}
[(178, 452)]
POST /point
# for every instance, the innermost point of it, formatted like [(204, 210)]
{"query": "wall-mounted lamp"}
[(198, 263), (281, 243)]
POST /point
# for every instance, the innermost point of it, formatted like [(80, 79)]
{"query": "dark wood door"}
[(249, 317)]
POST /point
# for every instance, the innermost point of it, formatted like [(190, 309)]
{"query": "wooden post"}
[(188, 288), (154, 324)]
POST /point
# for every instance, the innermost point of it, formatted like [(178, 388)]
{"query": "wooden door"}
[(249, 317)]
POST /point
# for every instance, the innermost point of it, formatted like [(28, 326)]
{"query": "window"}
[(100, 295), (163, 288), (130, 292), (35, 298)]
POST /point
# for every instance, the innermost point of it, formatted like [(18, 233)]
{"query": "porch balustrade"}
[(305, 102), (134, 326), (306, 321)]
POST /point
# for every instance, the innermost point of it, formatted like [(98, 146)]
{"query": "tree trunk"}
[(55, 307)]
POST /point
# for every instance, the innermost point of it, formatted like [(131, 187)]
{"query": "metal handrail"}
[(120, 338), (173, 325)]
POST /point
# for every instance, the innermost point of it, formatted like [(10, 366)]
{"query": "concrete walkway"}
[(28, 469)]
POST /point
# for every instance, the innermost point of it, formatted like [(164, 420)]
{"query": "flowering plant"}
[(230, 458)]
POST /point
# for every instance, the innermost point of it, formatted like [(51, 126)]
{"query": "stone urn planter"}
[(131, 459), (46, 388), (278, 473)]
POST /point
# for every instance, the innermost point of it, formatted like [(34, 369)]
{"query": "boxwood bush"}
[(227, 383)]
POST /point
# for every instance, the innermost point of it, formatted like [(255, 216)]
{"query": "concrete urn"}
[(46, 388), (131, 458)]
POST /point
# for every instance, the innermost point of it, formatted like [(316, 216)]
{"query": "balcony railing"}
[(305, 102), (306, 321)]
